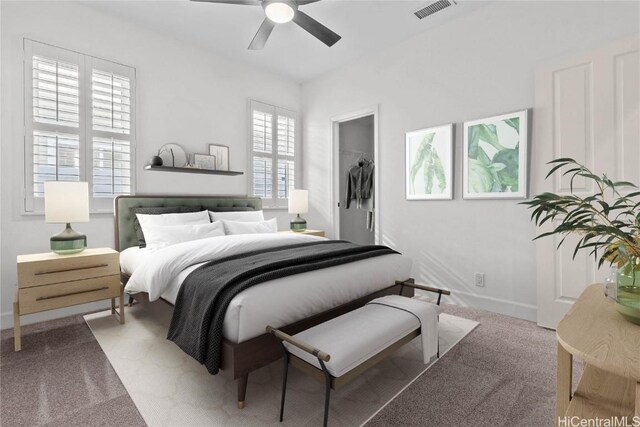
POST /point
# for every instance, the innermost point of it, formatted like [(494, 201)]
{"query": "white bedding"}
[(277, 302)]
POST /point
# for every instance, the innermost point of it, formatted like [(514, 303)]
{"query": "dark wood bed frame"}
[(240, 359)]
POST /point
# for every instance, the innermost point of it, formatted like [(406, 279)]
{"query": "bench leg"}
[(284, 383), (327, 392), (242, 390)]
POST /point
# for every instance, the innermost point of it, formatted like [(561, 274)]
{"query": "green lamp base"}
[(298, 224), (68, 242)]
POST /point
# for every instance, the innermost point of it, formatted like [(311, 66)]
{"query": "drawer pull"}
[(71, 269), (73, 293)]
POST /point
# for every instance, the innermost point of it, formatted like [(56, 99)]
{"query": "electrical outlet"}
[(479, 279)]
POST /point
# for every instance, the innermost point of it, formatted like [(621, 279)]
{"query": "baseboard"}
[(496, 305), (6, 319)]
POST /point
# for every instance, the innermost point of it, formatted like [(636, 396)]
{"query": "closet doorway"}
[(355, 176)]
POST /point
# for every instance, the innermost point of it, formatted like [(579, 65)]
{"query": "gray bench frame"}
[(323, 375)]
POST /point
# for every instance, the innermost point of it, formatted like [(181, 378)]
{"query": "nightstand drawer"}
[(58, 269), (48, 297)]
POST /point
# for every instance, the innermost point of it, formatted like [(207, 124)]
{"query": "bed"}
[(292, 303)]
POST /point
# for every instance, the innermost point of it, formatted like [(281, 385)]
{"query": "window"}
[(274, 153), (79, 116)]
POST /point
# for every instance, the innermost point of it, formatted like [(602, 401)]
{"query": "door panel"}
[(627, 126), (571, 273), (573, 121)]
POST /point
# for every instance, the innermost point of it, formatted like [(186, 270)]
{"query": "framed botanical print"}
[(429, 163), (495, 157)]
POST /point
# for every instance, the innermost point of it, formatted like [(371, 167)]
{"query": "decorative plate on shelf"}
[(173, 155)]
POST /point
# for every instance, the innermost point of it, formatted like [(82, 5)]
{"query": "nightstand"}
[(49, 281), (311, 232)]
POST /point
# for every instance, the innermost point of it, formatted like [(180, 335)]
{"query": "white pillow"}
[(146, 220), (160, 236), (243, 227), (244, 216)]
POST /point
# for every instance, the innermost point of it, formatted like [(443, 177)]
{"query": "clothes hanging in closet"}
[(359, 182)]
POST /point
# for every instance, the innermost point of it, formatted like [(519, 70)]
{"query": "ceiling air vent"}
[(432, 8)]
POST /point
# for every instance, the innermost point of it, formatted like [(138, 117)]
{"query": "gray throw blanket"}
[(196, 325)]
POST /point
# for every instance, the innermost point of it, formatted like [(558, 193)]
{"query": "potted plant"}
[(606, 222)]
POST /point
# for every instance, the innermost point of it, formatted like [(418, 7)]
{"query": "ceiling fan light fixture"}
[(279, 11)]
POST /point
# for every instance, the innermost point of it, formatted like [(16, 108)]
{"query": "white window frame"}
[(85, 131), (274, 202)]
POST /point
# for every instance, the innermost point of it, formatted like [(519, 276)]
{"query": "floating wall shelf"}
[(190, 170)]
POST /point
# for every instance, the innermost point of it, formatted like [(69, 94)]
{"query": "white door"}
[(586, 108)]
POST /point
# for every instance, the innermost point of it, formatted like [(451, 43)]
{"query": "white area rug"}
[(172, 389)]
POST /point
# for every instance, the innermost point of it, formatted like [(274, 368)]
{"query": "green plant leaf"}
[(509, 180), (480, 177), (423, 149), (474, 139), (483, 157), (514, 123), (439, 171), (614, 240), (563, 160), (489, 134), (509, 176), (428, 172)]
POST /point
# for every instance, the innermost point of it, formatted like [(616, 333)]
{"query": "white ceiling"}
[(365, 26)]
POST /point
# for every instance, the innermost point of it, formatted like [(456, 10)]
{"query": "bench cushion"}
[(355, 337)]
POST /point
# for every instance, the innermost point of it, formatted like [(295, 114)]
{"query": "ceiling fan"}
[(279, 12)]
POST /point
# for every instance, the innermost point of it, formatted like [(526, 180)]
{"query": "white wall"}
[(184, 95), (477, 65)]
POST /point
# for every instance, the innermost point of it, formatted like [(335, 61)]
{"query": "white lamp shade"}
[(298, 201), (66, 202)]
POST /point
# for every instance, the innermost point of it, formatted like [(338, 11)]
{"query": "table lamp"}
[(64, 203), (298, 204)]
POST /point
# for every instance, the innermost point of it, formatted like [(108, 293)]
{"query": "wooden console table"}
[(609, 347)]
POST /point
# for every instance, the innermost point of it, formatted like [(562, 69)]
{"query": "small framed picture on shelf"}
[(204, 161), (221, 153)]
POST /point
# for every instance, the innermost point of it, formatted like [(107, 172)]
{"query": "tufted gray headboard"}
[(125, 232)]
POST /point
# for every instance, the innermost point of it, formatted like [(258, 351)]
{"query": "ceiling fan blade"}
[(315, 28), (243, 2), (262, 35), (303, 2)]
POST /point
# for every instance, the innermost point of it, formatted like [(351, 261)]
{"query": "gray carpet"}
[(61, 377), (501, 374)]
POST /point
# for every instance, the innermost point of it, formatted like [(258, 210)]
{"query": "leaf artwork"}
[(428, 160), (494, 163)]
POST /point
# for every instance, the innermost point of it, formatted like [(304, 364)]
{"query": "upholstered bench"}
[(337, 351)]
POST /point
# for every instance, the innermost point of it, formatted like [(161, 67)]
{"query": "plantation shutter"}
[(56, 157), (53, 119), (286, 154), (111, 102), (56, 98), (273, 153), (262, 146), (79, 120), (110, 131)]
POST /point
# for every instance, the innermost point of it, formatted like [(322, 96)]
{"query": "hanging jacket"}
[(359, 183)]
